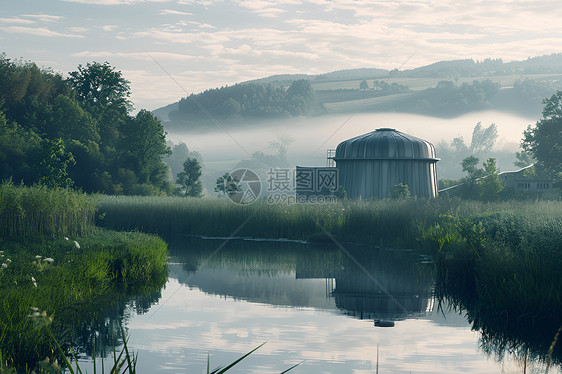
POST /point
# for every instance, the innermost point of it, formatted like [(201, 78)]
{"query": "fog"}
[(223, 149)]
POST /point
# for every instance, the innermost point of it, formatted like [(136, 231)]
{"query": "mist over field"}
[(223, 149)]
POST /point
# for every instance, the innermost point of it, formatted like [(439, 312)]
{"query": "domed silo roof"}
[(385, 143), (370, 165)]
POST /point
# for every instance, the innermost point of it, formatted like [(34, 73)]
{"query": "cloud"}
[(78, 29), (44, 17), (109, 27), (147, 56), (114, 2), (37, 31), (17, 21), (174, 12)]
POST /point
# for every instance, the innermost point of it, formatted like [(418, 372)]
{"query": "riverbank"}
[(60, 275)]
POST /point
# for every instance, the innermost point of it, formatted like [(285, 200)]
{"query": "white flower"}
[(76, 244), (38, 257), (8, 260), (34, 281), (4, 266), (65, 238), (49, 260)]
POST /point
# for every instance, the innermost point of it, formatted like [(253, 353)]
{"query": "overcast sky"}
[(204, 44)]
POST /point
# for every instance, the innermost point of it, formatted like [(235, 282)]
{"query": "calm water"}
[(311, 304)]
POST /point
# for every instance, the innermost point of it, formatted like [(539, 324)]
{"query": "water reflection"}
[(390, 284), (298, 298), (99, 329)]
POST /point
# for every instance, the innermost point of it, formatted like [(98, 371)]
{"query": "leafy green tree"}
[(363, 85), (544, 141), (143, 141), (190, 178), (490, 185), (20, 152), (481, 183), (400, 191), (470, 188), (227, 184), (101, 84), (70, 122), (54, 163)]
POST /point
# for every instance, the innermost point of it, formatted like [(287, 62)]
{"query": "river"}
[(313, 305)]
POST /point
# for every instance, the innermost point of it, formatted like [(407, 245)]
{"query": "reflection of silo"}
[(370, 165)]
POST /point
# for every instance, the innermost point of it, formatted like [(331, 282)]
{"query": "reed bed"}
[(37, 210), (388, 222)]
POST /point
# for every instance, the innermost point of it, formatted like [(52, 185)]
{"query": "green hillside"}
[(444, 89)]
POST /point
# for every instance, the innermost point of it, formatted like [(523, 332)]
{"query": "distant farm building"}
[(517, 181), (370, 165)]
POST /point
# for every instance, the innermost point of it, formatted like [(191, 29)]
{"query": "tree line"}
[(247, 101), (78, 131)]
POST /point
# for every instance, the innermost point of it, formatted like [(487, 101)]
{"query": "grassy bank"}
[(57, 266), (387, 222)]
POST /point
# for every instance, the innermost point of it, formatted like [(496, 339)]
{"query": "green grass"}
[(54, 260), (31, 211), (73, 287), (387, 222)]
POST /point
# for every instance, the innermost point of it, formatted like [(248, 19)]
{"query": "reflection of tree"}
[(512, 319), (102, 326)]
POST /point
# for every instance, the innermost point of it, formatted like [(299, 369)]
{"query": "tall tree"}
[(190, 178), (144, 140), (483, 139), (54, 163), (101, 84), (490, 184), (544, 141)]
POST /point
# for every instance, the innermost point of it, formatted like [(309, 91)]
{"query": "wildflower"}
[(8, 260), (40, 319), (50, 367), (65, 238), (76, 244), (38, 257), (34, 281), (49, 260), (4, 265)]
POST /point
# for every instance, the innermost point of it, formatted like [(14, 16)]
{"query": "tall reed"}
[(37, 210)]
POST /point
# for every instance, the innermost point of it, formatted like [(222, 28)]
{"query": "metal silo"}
[(370, 165)]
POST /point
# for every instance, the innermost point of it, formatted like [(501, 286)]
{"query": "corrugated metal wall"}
[(371, 164)]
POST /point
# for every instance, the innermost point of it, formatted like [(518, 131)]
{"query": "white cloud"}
[(38, 31), (44, 17), (17, 21), (114, 2), (78, 29), (109, 27), (146, 56), (174, 12)]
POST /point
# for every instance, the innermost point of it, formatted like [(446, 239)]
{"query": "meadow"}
[(59, 275)]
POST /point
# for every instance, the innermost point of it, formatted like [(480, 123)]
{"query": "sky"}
[(168, 49)]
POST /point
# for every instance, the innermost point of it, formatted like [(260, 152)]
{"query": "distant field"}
[(424, 83), (364, 104)]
